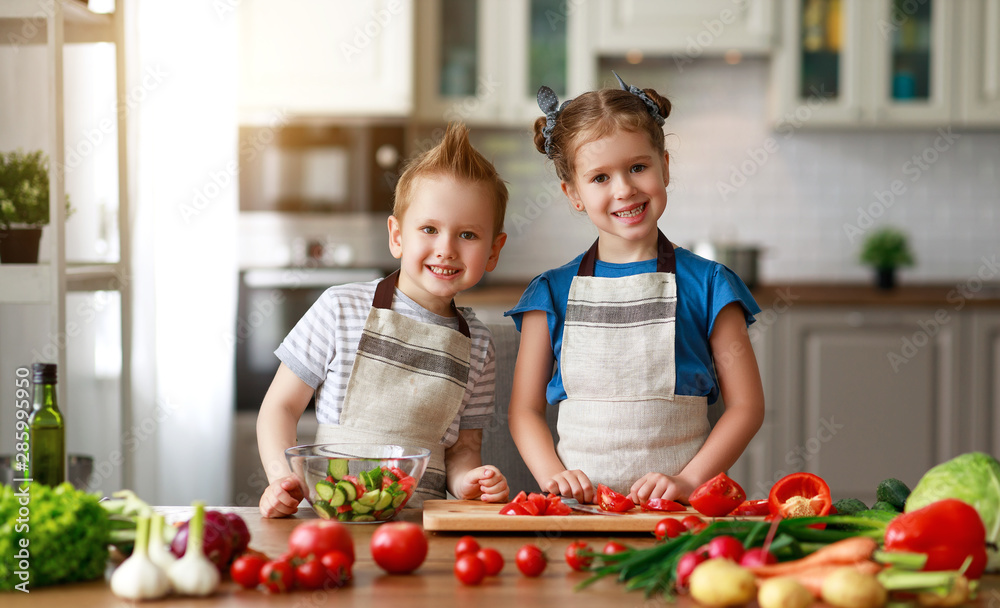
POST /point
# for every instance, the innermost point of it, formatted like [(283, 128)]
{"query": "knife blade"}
[(574, 504)]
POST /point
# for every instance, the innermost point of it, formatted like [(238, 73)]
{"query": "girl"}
[(644, 335)]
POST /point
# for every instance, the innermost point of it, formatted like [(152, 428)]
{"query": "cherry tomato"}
[(336, 569), (718, 496), (319, 537), (246, 570), (469, 569), (399, 547), (310, 574), (726, 547), (611, 549), (492, 559), (757, 557), (574, 559), (466, 544), (669, 527), (277, 576), (694, 523), (530, 560), (686, 565)]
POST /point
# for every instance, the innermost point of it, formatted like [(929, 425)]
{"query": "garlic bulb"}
[(138, 578), (195, 574), (158, 550)]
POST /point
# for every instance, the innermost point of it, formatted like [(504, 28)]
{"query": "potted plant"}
[(886, 250), (24, 205)]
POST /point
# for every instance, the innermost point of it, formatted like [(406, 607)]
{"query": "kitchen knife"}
[(574, 504)]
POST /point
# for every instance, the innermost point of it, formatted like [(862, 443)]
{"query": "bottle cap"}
[(44, 373)]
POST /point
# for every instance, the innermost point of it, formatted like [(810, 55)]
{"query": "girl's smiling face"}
[(620, 181), (444, 241)]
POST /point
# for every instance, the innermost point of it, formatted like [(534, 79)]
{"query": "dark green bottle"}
[(47, 461)]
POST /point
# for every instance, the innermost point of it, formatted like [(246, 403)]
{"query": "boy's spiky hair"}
[(455, 157)]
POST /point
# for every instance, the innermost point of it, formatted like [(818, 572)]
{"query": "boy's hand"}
[(658, 485), (486, 482), (573, 483), (281, 498)]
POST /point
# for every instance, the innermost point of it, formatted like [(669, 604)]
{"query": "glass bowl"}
[(358, 482)]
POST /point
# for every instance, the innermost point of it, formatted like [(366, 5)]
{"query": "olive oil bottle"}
[(47, 460)]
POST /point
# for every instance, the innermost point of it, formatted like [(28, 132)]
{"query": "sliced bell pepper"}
[(718, 496), (947, 532), (613, 501), (800, 495)]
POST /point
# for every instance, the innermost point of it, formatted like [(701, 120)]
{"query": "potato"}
[(848, 588), (720, 582), (783, 592)]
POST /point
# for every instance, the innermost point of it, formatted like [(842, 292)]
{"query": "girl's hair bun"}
[(539, 137), (660, 100)]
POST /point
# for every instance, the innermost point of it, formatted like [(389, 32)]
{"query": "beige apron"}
[(407, 385), (621, 418)]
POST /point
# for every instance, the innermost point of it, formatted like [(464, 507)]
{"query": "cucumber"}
[(324, 510), (881, 505), (349, 490), (364, 518), (894, 492), (339, 497), (369, 499), (384, 500), (325, 489), (360, 508), (345, 516), (371, 479), (398, 499), (337, 468), (388, 513), (849, 506)]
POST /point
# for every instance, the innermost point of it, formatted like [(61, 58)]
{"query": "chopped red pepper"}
[(718, 496), (800, 495), (947, 532), (609, 500)]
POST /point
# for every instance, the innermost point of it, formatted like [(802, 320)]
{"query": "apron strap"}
[(665, 259), (387, 288)]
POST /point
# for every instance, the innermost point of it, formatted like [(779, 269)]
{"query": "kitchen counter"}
[(433, 584)]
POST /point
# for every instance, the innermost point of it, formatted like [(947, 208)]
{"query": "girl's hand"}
[(281, 498), (486, 482), (573, 483), (658, 485)]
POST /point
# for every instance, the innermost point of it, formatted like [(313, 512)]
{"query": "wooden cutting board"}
[(477, 516)]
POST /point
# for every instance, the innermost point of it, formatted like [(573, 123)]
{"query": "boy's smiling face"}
[(444, 240)]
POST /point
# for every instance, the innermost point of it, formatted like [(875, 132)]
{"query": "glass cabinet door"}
[(821, 38), (547, 47), (459, 51), (910, 51)]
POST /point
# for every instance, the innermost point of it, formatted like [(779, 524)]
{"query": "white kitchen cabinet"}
[(482, 61), (866, 63), (982, 425), (318, 58), (978, 68), (683, 29)]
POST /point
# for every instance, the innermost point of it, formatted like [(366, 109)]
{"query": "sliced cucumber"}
[(337, 468), (348, 488), (345, 516), (364, 518), (398, 499), (384, 500), (339, 497), (325, 489), (324, 510), (388, 513), (369, 499), (360, 508)]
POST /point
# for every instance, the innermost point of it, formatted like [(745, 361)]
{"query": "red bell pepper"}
[(753, 508), (718, 496), (947, 532), (800, 495)]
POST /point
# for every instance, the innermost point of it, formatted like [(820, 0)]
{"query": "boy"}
[(402, 365)]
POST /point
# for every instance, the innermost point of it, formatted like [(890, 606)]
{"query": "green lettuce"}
[(973, 478)]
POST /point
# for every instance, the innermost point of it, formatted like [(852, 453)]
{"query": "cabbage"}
[(973, 478)]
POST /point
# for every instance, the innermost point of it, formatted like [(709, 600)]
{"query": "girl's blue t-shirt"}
[(704, 288)]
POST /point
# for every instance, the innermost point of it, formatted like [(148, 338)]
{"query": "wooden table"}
[(432, 585)]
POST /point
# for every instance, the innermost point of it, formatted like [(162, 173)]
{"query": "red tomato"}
[(319, 537), (613, 501), (246, 570), (399, 547), (555, 506), (492, 559), (521, 497), (310, 574), (469, 569), (575, 560), (277, 576), (466, 544), (669, 527), (752, 508), (658, 504), (686, 565), (514, 508), (694, 523), (337, 568), (726, 547), (530, 560), (611, 549), (757, 556), (718, 496)]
